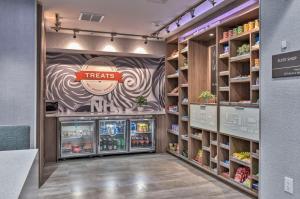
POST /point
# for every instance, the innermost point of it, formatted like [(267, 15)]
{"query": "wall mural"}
[(98, 83)]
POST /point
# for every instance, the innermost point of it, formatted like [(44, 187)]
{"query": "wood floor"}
[(157, 176)]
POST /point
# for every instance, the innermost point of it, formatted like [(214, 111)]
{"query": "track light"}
[(75, 33), (112, 36), (57, 23), (213, 2), (178, 22), (146, 40), (192, 12), (167, 29)]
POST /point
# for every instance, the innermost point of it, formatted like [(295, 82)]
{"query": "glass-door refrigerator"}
[(78, 138), (142, 135), (112, 137)]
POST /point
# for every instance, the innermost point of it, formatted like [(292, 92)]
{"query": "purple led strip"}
[(214, 22), (203, 8)]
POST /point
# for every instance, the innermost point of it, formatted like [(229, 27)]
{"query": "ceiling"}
[(123, 16)]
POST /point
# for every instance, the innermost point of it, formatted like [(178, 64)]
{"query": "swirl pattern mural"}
[(141, 76)]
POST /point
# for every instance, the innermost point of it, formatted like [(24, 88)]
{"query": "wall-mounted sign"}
[(98, 79), (104, 84), (286, 64)]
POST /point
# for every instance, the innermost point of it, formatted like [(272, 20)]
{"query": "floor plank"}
[(136, 176)]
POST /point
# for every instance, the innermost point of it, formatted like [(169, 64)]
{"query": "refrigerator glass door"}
[(112, 136), (142, 135), (78, 138)]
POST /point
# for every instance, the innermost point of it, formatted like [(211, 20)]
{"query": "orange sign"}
[(99, 75)]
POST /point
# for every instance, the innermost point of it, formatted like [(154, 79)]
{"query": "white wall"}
[(18, 64), (98, 43), (280, 101)]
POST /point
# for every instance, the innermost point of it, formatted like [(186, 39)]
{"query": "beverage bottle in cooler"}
[(105, 143), (147, 141), (114, 144), (110, 143), (101, 144)]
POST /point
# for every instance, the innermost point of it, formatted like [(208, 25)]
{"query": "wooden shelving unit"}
[(172, 78), (206, 61), (183, 48)]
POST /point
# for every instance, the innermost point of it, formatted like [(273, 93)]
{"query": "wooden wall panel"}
[(50, 140), (161, 135)]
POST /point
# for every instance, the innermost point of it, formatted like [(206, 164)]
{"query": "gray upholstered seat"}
[(14, 137)]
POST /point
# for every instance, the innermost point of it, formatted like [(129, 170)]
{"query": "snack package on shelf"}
[(198, 157), (244, 28), (247, 182), (242, 173), (243, 156)]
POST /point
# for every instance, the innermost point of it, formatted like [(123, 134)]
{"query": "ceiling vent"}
[(91, 17)]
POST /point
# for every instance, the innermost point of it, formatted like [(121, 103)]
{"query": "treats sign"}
[(97, 78)]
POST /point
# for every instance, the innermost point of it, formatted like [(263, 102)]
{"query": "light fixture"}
[(57, 23), (146, 40), (192, 12), (109, 34), (178, 22), (74, 34), (167, 29), (213, 2), (211, 34), (112, 36)]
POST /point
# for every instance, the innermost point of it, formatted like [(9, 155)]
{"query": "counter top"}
[(85, 114), (14, 169)]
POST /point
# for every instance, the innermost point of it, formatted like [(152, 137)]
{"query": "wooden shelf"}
[(254, 177), (223, 164), (173, 94), (241, 37), (184, 138), (224, 73), (224, 146), (184, 85), (241, 58), (241, 162), (184, 119), (173, 113), (214, 142), (254, 69), (224, 56), (255, 48), (214, 160), (255, 87), (196, 137), (205, 148), (173, 76), (224, 88), (184, 51), (172, 58), (184, 68), (255, 155), (240, 80), (173, 132), (224, 41)]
